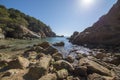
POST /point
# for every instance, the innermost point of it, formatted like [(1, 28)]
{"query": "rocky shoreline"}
[(44, 62)]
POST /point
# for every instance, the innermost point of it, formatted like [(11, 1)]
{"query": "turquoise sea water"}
[(21, 44)]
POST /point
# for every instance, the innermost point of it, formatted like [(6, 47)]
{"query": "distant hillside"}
[(15, 24), (106, 31)]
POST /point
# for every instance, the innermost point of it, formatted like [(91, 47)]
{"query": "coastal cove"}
[(34, 46), (20, 44)]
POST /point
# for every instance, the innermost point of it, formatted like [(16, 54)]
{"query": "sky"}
[(63, 16)]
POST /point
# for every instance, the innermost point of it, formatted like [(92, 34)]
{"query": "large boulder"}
[(69, 58), (30, 54), (93, 67), (75, 34), (106, 31), (13, 74), (44, 44), (62, 64), (50, 50), (62, 74), (115, 59), (44, 47), (37, 49), (57, 56), (80, 71), (19, 63), (40, 69), (79, 56), (59, 44), (44, 62)]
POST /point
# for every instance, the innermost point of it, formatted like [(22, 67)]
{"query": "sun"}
[(86, 3)]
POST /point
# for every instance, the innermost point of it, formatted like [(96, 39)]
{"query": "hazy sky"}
[(63, 16)]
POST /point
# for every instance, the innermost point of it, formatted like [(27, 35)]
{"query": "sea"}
[(67, 49)]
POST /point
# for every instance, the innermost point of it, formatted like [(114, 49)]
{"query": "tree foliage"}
[(11, 18)]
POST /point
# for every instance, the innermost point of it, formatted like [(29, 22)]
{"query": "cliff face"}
[(16, 24), (106, 31)]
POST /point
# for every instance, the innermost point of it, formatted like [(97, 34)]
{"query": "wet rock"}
[(30, 54), (37, 49), (57, 56), (79, 56), (35, 73), (50, 50), (116, 59), (49, 77), (112, 58), (62, 64), (62, 74), (19, 63), (40, 69), (3, 64), (44, 45), (59, 44), (4, 46), (94, 67), (39, 55), (80, 71), (100, 55), (69, 59)]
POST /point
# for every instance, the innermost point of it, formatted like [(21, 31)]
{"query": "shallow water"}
[(21, 44)]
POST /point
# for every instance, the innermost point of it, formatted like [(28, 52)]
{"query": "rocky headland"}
[(104, 33), (15, 24)]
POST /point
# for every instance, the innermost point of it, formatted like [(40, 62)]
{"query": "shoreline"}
[(44, 57)]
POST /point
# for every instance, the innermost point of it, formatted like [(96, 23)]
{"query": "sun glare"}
[(86, 3)]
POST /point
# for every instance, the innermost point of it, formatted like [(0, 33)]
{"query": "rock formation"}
[(106, 31), (38, 64)]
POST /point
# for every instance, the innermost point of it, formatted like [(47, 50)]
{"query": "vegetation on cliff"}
[(16, 24)]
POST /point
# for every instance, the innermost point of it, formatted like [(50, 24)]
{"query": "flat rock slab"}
[(94, 67)]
